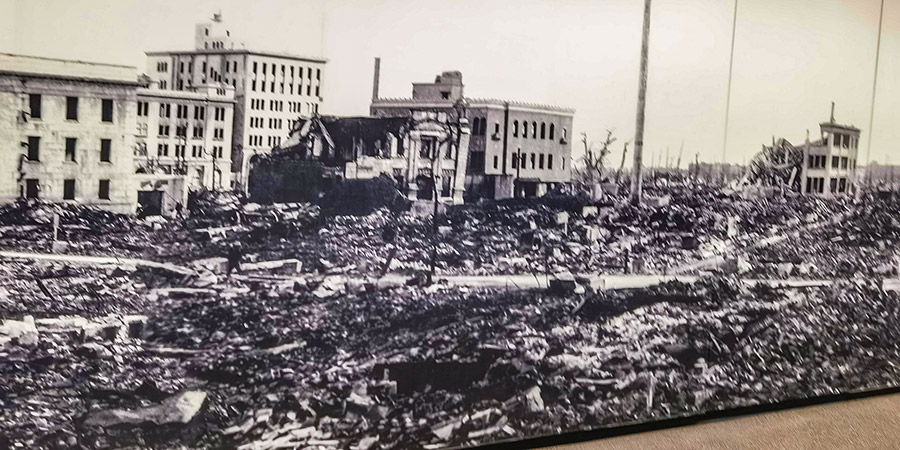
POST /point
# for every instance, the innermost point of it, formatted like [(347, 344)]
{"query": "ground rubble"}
[(303, 350)]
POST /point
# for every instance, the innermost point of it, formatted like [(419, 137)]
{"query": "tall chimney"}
[(832, 112), (377, 76)]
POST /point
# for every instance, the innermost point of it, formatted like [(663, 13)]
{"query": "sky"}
[(792, 58)]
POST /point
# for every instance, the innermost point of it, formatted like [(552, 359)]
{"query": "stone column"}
[(462, 159), (412, 156)]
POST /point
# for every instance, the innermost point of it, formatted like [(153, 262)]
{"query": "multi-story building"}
[(516, 148), (829, 163), (67, 131), (186, 133), (271, 90)]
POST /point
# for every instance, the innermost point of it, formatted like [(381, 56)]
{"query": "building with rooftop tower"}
[(271, 90)]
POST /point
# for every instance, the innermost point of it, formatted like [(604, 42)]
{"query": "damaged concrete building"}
[(825, 166), (182, 143), (271, 89), (516, 149), (425, 153), (67, 131)]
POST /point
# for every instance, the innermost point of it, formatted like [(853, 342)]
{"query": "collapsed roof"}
[(776, 165)]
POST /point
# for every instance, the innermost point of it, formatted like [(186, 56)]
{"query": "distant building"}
[(516, 148), (826, 166), (186, 133), (67, 131), (829, 163), (411, 150), (271, 89)]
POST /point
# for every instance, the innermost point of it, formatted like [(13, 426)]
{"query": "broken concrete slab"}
[(289, 266), (178, 409)]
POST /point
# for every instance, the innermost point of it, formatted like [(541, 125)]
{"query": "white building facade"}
[(271, 90), (186, 133), (67, 131)]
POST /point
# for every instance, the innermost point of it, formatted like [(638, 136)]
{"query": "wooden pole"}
[(728, 93), (636, 179), (874, 90)]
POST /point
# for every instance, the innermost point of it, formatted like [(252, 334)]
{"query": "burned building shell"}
[(426, 155)]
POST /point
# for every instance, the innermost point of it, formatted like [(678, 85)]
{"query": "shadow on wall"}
[(285, 180), (362, 197)]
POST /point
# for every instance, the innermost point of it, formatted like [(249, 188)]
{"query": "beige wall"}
[(53, 129), (148, 136)]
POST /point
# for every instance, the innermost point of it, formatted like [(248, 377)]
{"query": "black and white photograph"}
[(436, 224)]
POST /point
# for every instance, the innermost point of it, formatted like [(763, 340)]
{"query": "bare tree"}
[(593, 163)]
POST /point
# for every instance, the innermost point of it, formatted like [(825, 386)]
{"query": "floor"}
[(869, 423)]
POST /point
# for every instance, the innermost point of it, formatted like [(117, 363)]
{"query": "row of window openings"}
[(284, 70), (232, 66), (274, 124), (537, 161), (845, 141), (32, 189), (837, 162), (181, 132), (181, 111), (479, 128), (272, 141), (262, 88), (816, 185), (35, 103), (34, 149), (197, 151)]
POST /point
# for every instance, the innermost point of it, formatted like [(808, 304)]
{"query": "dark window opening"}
[(445, 94), (105, 150), (71, 108), (68, 189), (107, 110), (32, 188), (103, 191), (429, 147), (70, 149), (34, 148), (34, 102)]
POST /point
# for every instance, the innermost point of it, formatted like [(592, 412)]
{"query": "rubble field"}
[(302, 349)]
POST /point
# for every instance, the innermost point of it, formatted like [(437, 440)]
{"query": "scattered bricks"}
[(658, 202), (215, 265), (533, 400), (22, 331), (785, 269), (562, 218), (637, 265), (690, 243), (593, 234)]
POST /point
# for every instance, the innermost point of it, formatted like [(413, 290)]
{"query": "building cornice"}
[(237, 52)]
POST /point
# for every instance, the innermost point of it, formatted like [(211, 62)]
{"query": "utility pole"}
[(636, 179), (874, 89), (730, 72)]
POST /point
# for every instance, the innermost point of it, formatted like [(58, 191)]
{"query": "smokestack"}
[(832, 112), (375, 80)]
